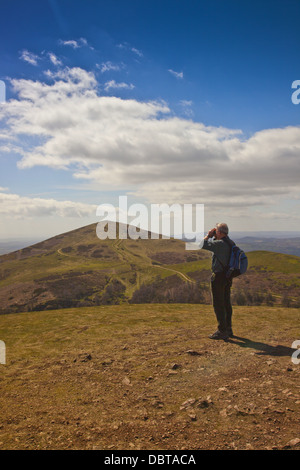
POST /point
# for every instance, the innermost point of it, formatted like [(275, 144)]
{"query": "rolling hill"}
[(290, 246), (105, 376), (76, 269)]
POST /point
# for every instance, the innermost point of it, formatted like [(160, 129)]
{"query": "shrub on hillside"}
[(158, 293), (113, 294)]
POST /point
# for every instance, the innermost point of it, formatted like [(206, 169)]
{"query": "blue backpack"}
[(238, 261)]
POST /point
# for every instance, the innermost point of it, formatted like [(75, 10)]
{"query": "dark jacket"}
[(221, 252)]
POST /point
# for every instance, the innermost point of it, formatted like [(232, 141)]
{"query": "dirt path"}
[(186, 278), (61, 253), (127, 257)]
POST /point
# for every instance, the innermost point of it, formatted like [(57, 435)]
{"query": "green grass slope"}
[(77, 269)]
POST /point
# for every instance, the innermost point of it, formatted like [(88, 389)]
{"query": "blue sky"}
[(166, 101)]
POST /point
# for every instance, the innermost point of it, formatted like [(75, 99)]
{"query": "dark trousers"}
[(221, 287)]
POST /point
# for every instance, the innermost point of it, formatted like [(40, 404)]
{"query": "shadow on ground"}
[(263, 348)]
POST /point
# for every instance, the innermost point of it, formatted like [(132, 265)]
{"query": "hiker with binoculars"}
[(218, 242)]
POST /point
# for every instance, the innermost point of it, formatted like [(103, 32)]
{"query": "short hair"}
[(222, 227)]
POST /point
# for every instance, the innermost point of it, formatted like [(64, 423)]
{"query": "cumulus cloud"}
[(142, 148), (16, 206)]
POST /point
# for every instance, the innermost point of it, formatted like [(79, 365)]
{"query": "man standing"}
[(219, 243)]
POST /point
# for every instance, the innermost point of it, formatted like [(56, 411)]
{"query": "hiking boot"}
[(219, 335), (230, 332)]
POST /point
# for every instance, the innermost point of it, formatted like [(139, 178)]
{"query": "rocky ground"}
[(147, 377)]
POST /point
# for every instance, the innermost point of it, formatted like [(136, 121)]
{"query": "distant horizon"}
[(233, 233)]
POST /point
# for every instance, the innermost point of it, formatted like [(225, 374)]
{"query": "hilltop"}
[(76, 269), (147, 377)]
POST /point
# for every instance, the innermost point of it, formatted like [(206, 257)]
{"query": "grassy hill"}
[(111, 374), (76, 269), (147, 377)]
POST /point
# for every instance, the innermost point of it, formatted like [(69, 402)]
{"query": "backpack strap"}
[(228, 241), (231, 244)]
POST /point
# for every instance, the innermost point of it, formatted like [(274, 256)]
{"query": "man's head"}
[(221, 230)]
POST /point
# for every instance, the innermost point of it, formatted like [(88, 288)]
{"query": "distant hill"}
[(290, 246), (9, 245), (280, 242), (76, 269)]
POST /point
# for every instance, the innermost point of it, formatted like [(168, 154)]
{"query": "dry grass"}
[(119, 377)]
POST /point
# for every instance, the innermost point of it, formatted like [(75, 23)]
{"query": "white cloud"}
[(75, 43), (290, 216), (186, 102), (108, 66), (140, 147), (54, 59), (72, 43), (178, 75), (15, 206), (127, 47), (83, 41), (137, 52), (113, 84), (29, 57), (187, 108)]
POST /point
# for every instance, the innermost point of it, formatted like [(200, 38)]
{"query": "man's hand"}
[(210, 234)]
